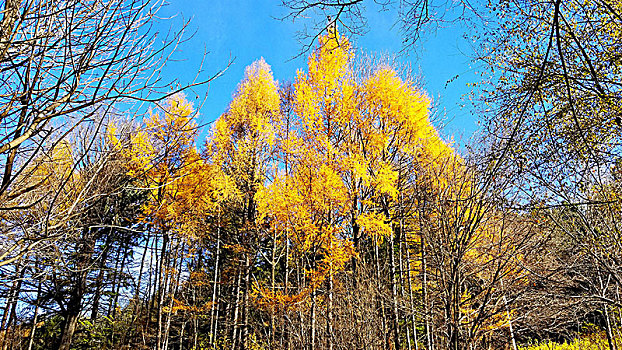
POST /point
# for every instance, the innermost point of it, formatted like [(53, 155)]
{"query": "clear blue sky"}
[(246, 30)]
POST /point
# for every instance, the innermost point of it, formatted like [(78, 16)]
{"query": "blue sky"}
[(245, 30)]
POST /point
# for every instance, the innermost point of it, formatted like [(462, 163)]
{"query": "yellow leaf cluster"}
[(342, 159), (374, 225), (348, 152), (163, 158), (248, 128)]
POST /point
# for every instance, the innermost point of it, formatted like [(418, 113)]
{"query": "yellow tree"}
[(242, 146), (163, 158), (308, 203), (400, 146), (357, 143)]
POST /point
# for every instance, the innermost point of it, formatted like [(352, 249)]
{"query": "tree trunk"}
[(213, 321), (246, 311), (379, 299), (312, 340), (395, 313), (173, 291), (403, 269), (117, 285), (35, 318), (137, 309), (100, 279), (610, 338), (74, 305), (429, 345), (329, 312), (412, 301), (236, 310), (162, 283), (272, 288), (9, 314)]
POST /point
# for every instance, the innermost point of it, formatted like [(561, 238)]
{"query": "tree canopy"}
[(324, 211)]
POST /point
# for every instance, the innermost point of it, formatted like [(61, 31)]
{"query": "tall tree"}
[(63, 66), (553, 115), (359, 144), (243, 146)]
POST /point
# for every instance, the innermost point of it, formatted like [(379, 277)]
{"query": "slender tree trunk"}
[(9, 314), (395, 313), (12, 300), (195, 319), (285, 336), (152, 281), (117, 285), (113, 284), (247, 284), (177, 266), (404, 270), (301, 318), (217, 310), (100, 279), (272, 288), (181, 335), (610, 338), (379, 300), (33, 330), (608, 330), (152, 285), (196, 334), (455, 318), (74, 304), (412, 301), (137, 308), (356, 230), (312, 340), (228, 313), (507, 310), (213, 321), (236, 310), (329, 312), (429, 345), (97, 295), (162, 283)]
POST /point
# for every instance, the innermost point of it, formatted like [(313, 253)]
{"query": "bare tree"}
[(414, 17), (65, 64), (553, 112)]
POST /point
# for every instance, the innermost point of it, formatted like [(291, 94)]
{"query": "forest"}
[(326, 211)]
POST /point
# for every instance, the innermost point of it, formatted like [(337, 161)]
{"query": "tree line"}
[(325, 213)]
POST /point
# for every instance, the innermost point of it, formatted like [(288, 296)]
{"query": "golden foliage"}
[(343, 157), (163, 159)]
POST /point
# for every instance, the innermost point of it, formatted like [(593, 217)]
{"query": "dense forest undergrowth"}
[(323, 213)]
